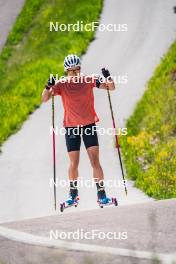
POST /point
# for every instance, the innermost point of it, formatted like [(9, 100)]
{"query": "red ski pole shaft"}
[(54, 152), (117, 141)]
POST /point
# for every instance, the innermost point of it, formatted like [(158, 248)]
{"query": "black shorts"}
[(73, 137)]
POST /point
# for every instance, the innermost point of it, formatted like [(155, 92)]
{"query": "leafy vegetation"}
[(150, 147), (32, 52)]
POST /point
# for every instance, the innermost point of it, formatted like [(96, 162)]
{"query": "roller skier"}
[(80, 116)]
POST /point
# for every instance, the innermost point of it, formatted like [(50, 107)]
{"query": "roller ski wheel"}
[(69, 203), (107, 201)]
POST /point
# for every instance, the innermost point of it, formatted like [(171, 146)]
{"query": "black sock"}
[(100, 189), (73, 189)]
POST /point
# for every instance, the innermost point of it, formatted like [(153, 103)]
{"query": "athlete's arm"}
[(47, 92)]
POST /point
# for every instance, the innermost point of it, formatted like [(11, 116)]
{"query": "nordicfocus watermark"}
[(81, 130), (81, 234), (120, 79), (80, 26), (87, 183)]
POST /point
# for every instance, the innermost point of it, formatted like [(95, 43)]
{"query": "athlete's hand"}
[(105, 72), (108, 83), (50, 83)]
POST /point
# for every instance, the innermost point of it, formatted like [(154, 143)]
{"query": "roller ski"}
[(69, 203), (107, 201)]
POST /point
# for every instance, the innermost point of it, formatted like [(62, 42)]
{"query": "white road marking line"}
[(30, 239)]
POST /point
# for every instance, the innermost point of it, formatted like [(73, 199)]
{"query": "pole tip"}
[(126, 192)]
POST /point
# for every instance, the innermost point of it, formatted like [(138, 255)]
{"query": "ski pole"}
[(54, 153), (116, 137)]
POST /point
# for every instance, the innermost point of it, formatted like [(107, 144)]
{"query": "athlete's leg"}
[(92, 146), (73, 175), (73, 167), (73, 143), (93, 153), (90, 139)]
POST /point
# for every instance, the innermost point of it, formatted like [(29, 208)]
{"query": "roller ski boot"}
[(103, 200), (73, 200)]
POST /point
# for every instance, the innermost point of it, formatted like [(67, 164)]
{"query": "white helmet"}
[(71, 61)]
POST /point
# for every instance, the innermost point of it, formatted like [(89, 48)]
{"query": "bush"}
[(150, 147), (32, 52)]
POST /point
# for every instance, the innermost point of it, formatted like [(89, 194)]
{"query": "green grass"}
[(32, 52), (150, 148)]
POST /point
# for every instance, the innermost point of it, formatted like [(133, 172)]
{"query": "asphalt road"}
[(28, 254), (26, 163), (149, 227)]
